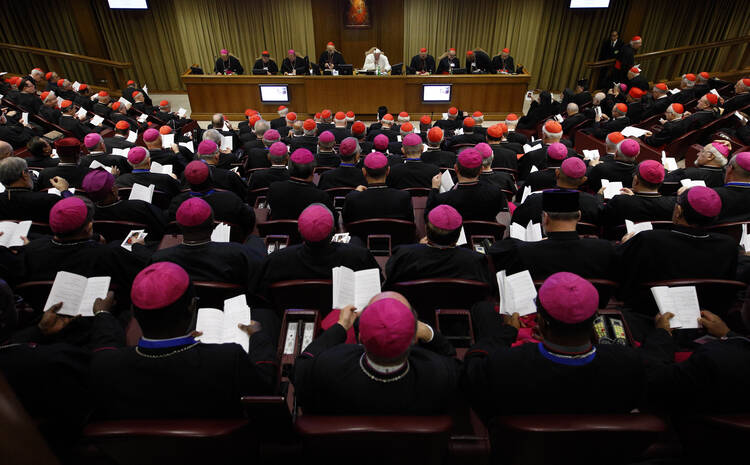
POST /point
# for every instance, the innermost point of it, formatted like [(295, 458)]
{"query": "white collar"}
[(386, 370)]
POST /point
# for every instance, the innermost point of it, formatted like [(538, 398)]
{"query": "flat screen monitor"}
[(274, 93), (589, 3), (128, 4), (436, 93)]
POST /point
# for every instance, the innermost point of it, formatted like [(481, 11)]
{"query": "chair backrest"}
[(34, 293), (483, 228), (605, 287), (400, 231), (547, 438), (410, 439), (339, 191), (733, 229), (280, 228), (679, 146), (160, 198), (316, 294), (213, 293), (418, 191), (169, 441), (115, 230), (588, 229), (427, 295)]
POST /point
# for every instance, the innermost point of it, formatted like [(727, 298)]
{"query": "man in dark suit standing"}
[(610, 49)]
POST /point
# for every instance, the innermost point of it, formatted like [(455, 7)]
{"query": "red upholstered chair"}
[(648, 153), (733, 229), (427, 295), (418, 191), (717, 438), (679, 146), (184, 441), (374, 439), (585, 141), (419, 204), (316, 294), (115, 230), (573, 439)]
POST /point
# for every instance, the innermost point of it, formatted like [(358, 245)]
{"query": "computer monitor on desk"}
[(345, 70), (396, 70), (259, 71)]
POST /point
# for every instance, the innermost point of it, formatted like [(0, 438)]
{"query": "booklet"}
[(220, 327), (132, 137), (682, 301), (97, 120), (221, 233), (354, 287), (638, 227), (531, 233), (188, 145), (691, 183), (77, 293), (632, 131), (167, 140), (226, 143), (133, 236), (517, 293), (590, 154), (12, 232), (446, 182), (669, 163), (120, 152), (141, 192), (611, 188)]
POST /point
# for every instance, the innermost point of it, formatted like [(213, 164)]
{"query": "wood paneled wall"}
[(387, 31)]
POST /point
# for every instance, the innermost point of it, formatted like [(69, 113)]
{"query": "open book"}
[(670, 163), (691, 183), (157, 167), (221, 233), (120, 152), (188, 145), (517, 293), (12, 233), (141, 192), (221, 327), (354, 287), (132, 137), (77, 293), (167, 140), (591, 154), (682, 301), (226, 143), (531, 233)]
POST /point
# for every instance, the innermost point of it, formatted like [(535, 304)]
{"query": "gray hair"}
[(11, 170), (598, 97), (261, 126), (213, 135), (572, 107), (6, 149)]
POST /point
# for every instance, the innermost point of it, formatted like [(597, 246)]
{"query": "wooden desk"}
[(494, 94)]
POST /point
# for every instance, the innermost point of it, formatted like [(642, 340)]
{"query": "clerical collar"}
[(350, 165), (299, 181), (98, 205), (468, 183), (412, 159), (708, 167), (279, 166), (382, 373), (438, 246), (571, 356), (195, 243), (67, 164), (201, 194), (689, 231), (563, 235), (93, 154), (737, 184), (433, 149), (141, 171), (647, 194), (56, 242)]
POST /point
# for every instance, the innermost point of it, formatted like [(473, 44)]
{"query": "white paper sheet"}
[(188, 145), (226, 143), (77, 293), (682, 301), (611, 188), (690, 183), (632, 227), (632, 131), (12, 233), (517, 293), (446, 182), (167, 140), (591, 154), (141, 192), (132, 136), (221, 233), (97, 120)]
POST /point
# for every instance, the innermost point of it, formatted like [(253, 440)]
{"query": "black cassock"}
[(271, 66), (226, 205), (334, 58), (288, 199), (121, 163), (531, 209), (232, 64), (473, 200), (130, 382), (412, 173), (298, 65), (227, 262), (422, 261), (500, 64), (601, 379), (332, 377), (346, 175), (418, 64), (162, 182), (735, 201), (713, 176), (612, 170), (71, 172), (482, 60), (444, 67), (378, 201), (20, 203), (636, 208), (137, 211)]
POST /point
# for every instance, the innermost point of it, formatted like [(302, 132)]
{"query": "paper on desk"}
[(181, 112), (132, 136), (97, 120), (632, 131)]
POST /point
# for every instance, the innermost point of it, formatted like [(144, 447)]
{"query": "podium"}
[(495, 95)]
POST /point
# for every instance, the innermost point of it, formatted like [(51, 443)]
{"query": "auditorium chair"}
[(34, 293), (277, 228), (160, 198), (670, 188), (648, 152), (374, 439), (382, 234), (456, 326), (649, 122), (419, 204), (572, 131), (460, 147), (427, 295), (677, 148), (511, 171), (38, 228), (237, 233), (733, 229), (618, 231), (213, 293), (315, 294), (339, 191), (160, 441), (298, 328), (573, 438), (418, 191), (258, 197), (714, 438), (117, 231), (716, 295), (483, 228), (585, 141), (588, 229)]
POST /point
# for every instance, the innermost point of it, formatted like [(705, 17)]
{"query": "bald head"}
[(572, 109), (6, 150), (217, 121), (598, 97)]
